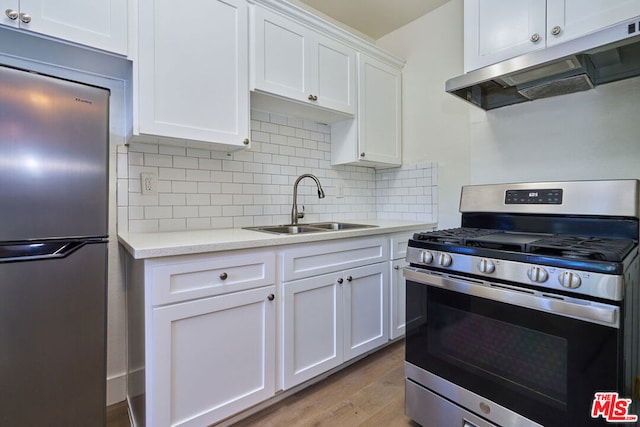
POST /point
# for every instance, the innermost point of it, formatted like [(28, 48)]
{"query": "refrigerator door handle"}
[(29, 251)]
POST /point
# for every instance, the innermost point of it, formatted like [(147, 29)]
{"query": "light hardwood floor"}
[(369, 393)]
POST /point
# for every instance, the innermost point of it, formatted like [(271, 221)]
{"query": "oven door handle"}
[(603, 314)]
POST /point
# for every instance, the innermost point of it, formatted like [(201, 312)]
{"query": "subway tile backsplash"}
[(199, 189)]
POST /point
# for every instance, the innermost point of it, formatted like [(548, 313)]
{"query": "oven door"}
[(541, 356)]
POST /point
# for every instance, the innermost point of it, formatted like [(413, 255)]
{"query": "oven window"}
[(543, 366), (523, 357)]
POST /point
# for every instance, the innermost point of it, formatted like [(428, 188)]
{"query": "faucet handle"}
[(301, 214)]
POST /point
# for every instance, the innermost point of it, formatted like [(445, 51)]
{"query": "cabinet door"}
[(379, 112), (397, 303), (97, 23), (366, 310), (7, 7), (279, 49), (334, 69), (495, 30), (193, 81), (211, 358), (575, 18), (312, 328)]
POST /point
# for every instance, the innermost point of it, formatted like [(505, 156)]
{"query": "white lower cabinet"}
[(212, 335), (205, 347), (331, 318), (212, 357)]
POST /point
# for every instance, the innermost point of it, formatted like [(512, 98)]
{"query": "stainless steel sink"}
[(318, 227), (286, 229), (335, 226)]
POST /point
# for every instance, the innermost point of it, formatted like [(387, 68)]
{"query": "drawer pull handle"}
[(224, 276), (271, 297), (340, 280), (349, 278)]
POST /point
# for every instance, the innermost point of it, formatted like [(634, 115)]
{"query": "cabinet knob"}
[(556, 30), (224, 276), (340, 280), (362, 154), (349, 278), (313, 98), (12, 14), (535, 37), (396, 267), (25, 17), (246, 141), (271, 297)]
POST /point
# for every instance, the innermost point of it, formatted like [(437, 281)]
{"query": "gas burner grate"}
[(452, 236), (581, 247)]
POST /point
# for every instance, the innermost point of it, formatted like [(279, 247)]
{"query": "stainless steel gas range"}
[(523, 314)]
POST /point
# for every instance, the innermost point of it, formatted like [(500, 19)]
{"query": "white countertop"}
[(160, 244)]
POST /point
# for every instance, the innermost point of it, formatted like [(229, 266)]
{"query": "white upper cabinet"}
[(374, 137), (295, 62), (495, 30), (574, 18), (101, 24), (192, 82)]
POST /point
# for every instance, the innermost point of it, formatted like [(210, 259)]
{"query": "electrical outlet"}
[(340, 191), (149, 183)]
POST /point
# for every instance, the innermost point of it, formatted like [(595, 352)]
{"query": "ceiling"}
[(374, 18)]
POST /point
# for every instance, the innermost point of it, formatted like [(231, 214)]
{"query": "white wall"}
[(588, 135), (435, 124)]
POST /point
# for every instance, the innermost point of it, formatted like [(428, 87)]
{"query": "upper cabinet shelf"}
[(101, 24), (495, 30)]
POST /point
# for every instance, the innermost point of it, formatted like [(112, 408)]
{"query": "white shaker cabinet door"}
[(192, 76), (96, 23), (9, 13), (495, 30), (280, 47), (569, 19), (335, 74), (379, 112), (312, 328), (366, 309), (397, 303), (212, 357)]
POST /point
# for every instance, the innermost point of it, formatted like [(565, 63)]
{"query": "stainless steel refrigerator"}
[(53, 250)]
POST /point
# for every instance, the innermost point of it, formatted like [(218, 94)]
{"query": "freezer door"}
[(53, 157), (52, 340)]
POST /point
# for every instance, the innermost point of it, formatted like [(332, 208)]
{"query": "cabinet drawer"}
[(180, 279), (302, 261)]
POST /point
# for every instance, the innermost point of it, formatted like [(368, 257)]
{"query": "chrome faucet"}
[(294, 210)]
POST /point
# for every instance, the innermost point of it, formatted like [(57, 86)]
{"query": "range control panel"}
[(533, 197)]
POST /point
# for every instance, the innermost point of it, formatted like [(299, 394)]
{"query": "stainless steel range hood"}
[(581, 64)]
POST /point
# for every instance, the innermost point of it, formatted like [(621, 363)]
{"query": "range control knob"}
[(538, 274), (426, 257), (569, 280), (444, 259), (486, 266)]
